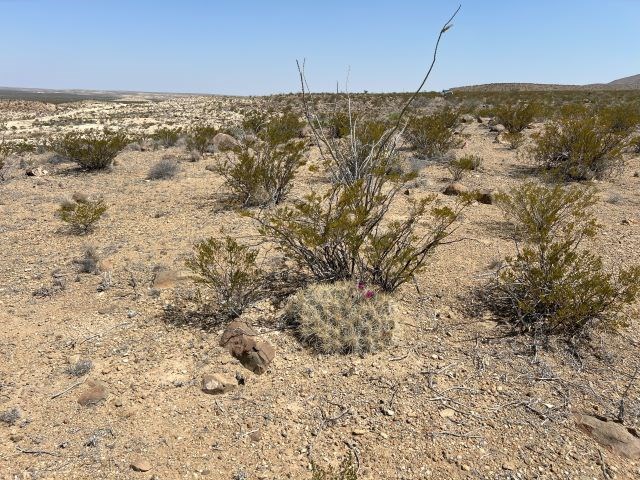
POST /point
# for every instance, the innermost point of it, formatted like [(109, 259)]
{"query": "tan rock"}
[(455, 189), (141, 464), (614, 436), (95, 394), (216, 384)]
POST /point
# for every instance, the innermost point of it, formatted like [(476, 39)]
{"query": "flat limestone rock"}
[(614, 436)]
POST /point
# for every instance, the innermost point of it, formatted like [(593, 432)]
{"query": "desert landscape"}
[(323, 286), (105, 365)]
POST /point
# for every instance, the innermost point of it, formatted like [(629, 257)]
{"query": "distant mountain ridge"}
[(626, 83)]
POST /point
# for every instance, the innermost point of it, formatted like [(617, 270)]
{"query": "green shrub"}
[(229, 269), (553, 285), (81, 213), (200, 138), (516, 116), (348, 470), (578, 148), (342, 317), (459, 166), (620, 119), (254, 122), (337, 124), (634, 143), (433, 135), (514, 139), (167, 137), (282, 129), (261, 174), (340, 235), (91, 150)]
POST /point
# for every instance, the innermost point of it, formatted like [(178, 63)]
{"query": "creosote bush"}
[(167, 137), (516, 116), (433, 135), (230, 270), (81, 213), (467, 163), (91, 150), (620, 119), (341, 318), (200, 138), (261, 174), (579, 148), (281, 129), (553, 285), (164, 169)]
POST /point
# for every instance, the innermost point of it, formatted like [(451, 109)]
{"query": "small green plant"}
[(348, 470), (433, 135), (467, 163), (579, 148), (81, 213), (553, 285), (514, 139), (261, 174), (341, 318), (280, 130), (91, 150), (200, 138), (254, 122), (620, 119), (516, 116), (164, 169), (167, 137), (230, 270)]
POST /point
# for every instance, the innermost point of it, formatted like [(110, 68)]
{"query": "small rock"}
[(455, 189), (508, 466), (240, 340), (487, 197), (358, 431), (165, 279), (497, 128), (140, 464), (16, 437), (388, 412), (447, 413), (223, 141), (216, 384), (36, 172), (95, 394), (627, 221), (255, 436)]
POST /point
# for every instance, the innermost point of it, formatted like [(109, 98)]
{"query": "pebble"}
[(140, 464)]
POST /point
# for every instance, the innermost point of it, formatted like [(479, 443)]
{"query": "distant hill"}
[(632, 81), (627, 83)]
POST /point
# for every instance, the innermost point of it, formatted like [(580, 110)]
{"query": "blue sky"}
[(250, 47)]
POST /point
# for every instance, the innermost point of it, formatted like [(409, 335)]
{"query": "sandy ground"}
[(453, 397)]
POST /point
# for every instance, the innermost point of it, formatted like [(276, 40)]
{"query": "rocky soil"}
[(112, 375)]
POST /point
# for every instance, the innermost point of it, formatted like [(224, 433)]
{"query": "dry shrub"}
[(467, 163), (433, 135), (516, 116), (230, 271), (164, 169), (579, 148), (341, 318), (89, 261), (348, 470), (261, 174), (553, 285), (91, 150), (200, 138), (167, 137), (514, 139), (81, 213)]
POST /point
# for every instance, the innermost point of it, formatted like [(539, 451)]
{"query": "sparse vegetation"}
[(230, 271), (515, 117), (348, 470), (81, 213), (164, 169), (261, 174), (467, 163), (11, 416), (341, 318), (433, 135), (579, 148), (167, 137), (200, 138), (92, 150), (281, 129), (514, 139), (89, 261), (553, 285)]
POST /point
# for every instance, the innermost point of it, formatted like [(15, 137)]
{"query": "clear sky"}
[(250, 47)]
